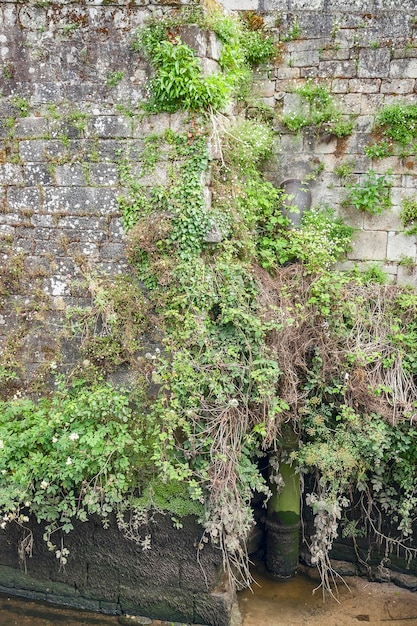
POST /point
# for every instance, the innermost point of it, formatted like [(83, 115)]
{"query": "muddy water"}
[(272, 603), (293, 603)]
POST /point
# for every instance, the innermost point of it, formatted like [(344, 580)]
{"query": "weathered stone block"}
[(47, 92), (37, 150), (407, 276), (369, 246), (112, 252), (264, 89), (240, 5), (305, 58), (403, 68), (387, 221), (103, 174), (374, 63), (209, 67), (308, 72), (398, 86), (24, 198), (350, 103), (331, 54), (10, 174), (337, 69), (371, 103), (69, 175), (37, 174), (295, 105), (400, 245), (316, 24), (31, 127), (365, 85), (80, 200), (87, 249), (341, 85), (110, 126)]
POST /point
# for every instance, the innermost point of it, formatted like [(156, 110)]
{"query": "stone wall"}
[(70, 87), (365, 54), (108, 573)]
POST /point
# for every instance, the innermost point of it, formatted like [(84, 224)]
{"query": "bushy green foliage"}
[(408, 214), (378, 150), (179, 82), (321, 240), (372, 194), (398, 121), (256, 329), (321, 112), (349, 450), (80, 452)]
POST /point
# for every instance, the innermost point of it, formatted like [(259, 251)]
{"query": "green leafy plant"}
[(408, 262), (372, 194), (321, 112), (69, 28), (179, 82), (22, 105), (398, 121), (81, 452), (293, 32), (345, 170), (379, 150), (255, 329), (321, 240), (408, 214), (114, 78)]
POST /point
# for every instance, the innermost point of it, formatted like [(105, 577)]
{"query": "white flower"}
[(69, 460), (1, 444), (54, 439), (233, 402), (74, 436), (44, 484)]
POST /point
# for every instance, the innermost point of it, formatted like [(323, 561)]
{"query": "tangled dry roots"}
[(354, 347)]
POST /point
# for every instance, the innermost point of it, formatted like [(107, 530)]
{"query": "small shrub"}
[(371, 195), (379, 150), (398, 121), (408, 214), (114, 78), (322, 112)]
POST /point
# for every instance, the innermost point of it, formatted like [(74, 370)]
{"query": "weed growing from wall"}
[(408, 214), (321, 112), (179, 82), (398, 122), (372, 194)]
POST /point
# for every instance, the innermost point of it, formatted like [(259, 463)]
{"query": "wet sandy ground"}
[(292, 603)]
